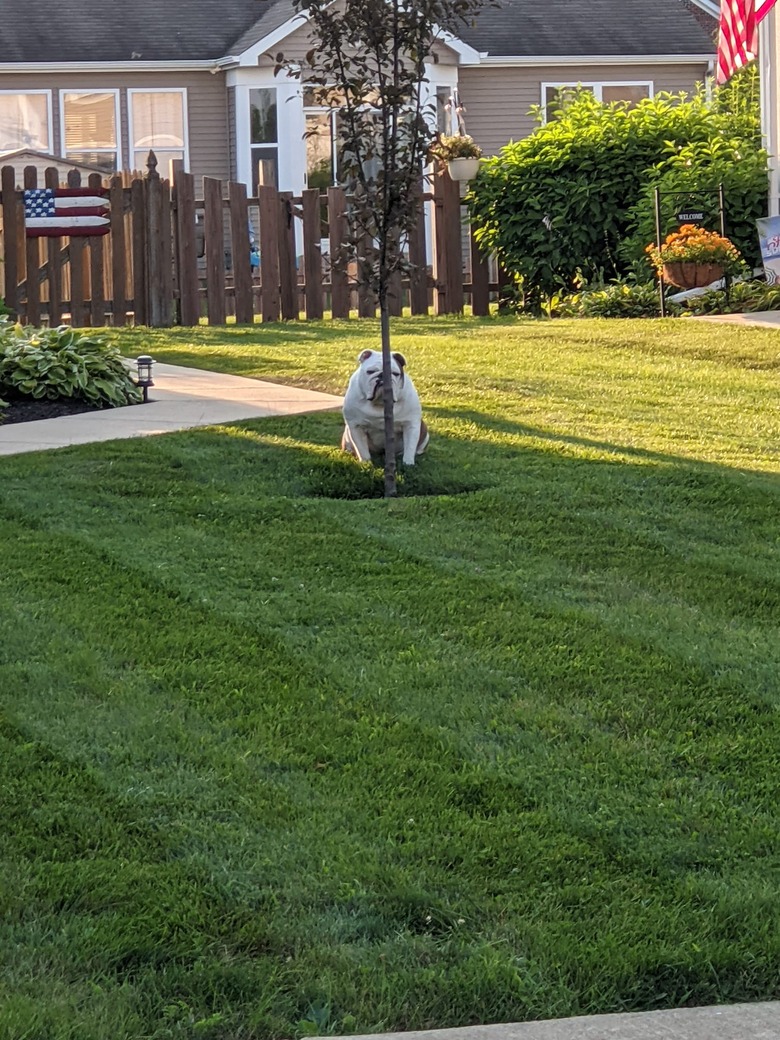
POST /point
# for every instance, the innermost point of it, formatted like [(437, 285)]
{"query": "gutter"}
[(534, 61), (138, 65)]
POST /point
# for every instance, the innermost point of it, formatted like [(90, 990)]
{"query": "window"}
[(24, 121), (324, 143), (90, 121), (158, 123), (554, 95), (444, 110), (264, 132)]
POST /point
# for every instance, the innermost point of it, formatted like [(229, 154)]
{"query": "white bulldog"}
[(364, 418)]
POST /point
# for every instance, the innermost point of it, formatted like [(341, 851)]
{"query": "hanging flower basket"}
[(691, 275), (463, 169), (693, 258)]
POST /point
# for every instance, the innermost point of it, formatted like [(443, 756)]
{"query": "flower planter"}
[(691, 275), (463, 169)]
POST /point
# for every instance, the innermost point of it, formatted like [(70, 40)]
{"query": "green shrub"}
[(563, 199), (62, 363)]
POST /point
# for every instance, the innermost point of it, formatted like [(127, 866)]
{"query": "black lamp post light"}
[(144, 379)]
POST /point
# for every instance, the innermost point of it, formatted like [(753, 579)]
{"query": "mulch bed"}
[(27, 410)]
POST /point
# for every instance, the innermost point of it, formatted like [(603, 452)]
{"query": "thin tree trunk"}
[(391, 490)]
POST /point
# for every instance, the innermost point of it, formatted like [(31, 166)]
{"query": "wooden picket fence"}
[(174, 258)]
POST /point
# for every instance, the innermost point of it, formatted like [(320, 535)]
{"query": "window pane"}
[(556, 98), (24, 122), (443, 110), (262, 112), (623, 92), (90, 121), (157, 120), (163, 156), (105, 161), (268, 155), (319, 151)]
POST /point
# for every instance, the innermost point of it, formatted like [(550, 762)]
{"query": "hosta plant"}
[(62, 363)]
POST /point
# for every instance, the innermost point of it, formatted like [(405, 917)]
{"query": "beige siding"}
[(206, 108), (298, 44), (498, 100)]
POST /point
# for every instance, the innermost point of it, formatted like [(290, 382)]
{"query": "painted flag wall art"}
[(53, 212)]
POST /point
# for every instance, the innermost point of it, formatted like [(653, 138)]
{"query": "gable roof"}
[(588, 28), (200, 30)]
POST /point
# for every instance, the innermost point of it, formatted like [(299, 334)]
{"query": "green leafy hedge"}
[(563, 201), (62, 363)]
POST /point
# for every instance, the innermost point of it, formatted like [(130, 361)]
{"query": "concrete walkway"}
[(735, 1022), (180, 399), (764, 319)]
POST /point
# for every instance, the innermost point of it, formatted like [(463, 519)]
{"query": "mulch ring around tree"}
[(28, 409)]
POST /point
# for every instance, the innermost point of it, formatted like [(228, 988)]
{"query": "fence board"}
[(418, 257), (268, 199), (33, 253), (288, 270), (214, 233), (78, 272), (312, 253), (138, 248), (395, 291), (339, 278), (187, 248), (158, 247), (480, 281), (12, 218), (449, 254), (96, 253), (239, 236), (54, 248), (366, 299), (116, 200)]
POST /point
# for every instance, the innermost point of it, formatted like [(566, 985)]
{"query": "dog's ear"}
[(400, 359), (364, 355)]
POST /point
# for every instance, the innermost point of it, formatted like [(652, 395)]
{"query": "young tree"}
[(368, 60)]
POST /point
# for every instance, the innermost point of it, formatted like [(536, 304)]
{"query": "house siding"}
[(206, 109), (498, 100)]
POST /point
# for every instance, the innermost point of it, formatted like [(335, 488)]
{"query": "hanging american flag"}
[(52, 212), (738, 37)]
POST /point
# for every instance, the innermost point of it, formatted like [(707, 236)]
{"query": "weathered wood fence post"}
[(158, 247)]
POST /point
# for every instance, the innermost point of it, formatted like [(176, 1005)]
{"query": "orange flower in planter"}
[(692, 248)]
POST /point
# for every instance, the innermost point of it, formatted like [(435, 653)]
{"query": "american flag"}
[(738, 38), (51, 212)]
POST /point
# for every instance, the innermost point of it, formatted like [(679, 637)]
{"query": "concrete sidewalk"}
[(180, 399), (735, 1022), (763, 319)]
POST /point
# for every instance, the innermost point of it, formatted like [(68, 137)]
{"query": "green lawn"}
[(276, 763)]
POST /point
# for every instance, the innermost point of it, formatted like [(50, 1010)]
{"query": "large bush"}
[(62, 363), (561, 202)]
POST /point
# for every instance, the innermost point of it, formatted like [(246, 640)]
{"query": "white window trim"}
[(185, 120), (117, 120), (596, 86), (49, 115)]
